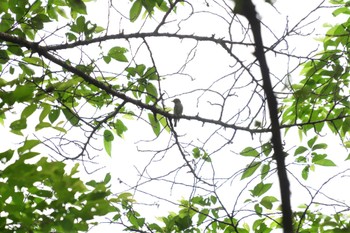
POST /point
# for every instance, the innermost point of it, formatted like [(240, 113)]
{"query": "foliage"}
[(63, 75), (40, 196)]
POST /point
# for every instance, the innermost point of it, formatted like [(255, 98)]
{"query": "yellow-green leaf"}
[(135, 10)]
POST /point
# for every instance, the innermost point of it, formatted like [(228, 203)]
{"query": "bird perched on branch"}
[(178, 108)]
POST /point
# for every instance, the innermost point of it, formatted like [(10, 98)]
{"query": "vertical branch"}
[(247, 9)]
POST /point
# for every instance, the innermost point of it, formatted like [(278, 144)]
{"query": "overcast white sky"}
[(210, 63)]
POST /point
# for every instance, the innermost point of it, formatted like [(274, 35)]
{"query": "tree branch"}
[(45, 52), (247, 9)]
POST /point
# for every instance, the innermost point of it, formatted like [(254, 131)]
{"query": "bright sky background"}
[(209, 64), (210, 61)]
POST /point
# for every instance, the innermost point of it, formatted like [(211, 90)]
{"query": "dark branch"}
[(248, 10)]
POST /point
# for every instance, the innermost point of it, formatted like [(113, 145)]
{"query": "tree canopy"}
[(265, 118)]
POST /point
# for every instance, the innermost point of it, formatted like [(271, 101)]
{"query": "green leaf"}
[(154, 123), (133, 220), (183, 223), (135, 10), (258, 224), (125, 196), (213, 199), (35, 61), (312, 141), (120, 128), (149, 5), (12, 70), (108, 147), (67, 224), (71, 36), (4, 57), (265, 170), (23, 93), (300, 150), (346, 126), (18, 124), (107, 59), (202, 216), (6, 156), (29, 110), (51, 12), (99, 29), (14, 49), (117, 53), (74, 169), (301, 159), (206, 157), (45, 112), (29, 155), (305, 172), (71, 117), (348, 158), (246, 227), (44, 193), (108, 136), (4, 6), (151, 74), (163, 122), (27, 146), (341, 10), (260, 189), (140, 69), (249, 151), (107, 141), (320, 146), (155, 227), (196, 153), (162, 5), (61, 12), (250, 170), (54, 114), (80, 24), (317, 157), (312, 167), (152, 91), (325, 162), (266, 148), (78, 6), (131, 71), (108, 178), (258, 209), (42, 125), (268, 201)]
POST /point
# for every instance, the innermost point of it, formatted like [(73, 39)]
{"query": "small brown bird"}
[(178, 108)]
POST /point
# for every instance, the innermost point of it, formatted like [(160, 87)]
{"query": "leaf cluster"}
[(38, 195)]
